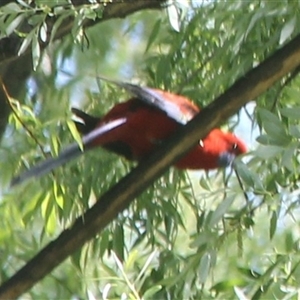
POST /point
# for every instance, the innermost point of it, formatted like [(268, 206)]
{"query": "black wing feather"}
[(151, 97)]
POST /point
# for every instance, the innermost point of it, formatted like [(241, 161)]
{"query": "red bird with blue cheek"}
[(136, 127)]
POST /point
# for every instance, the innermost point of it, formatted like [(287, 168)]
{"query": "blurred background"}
[(192, 235)]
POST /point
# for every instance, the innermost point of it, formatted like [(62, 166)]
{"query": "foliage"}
[(192, 235)]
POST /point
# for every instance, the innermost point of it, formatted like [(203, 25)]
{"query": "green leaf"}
[(266, 116), (248, 222), (51, 222), (267, 152), (54, 144), (30, 206), (131, 258), (75, 134), (104, 242), (58, 23), (273, 224), (227, 285), (288, 156), (205, 184), (153, 34), (118, 241), (36, 52), (14, 24), (257, 15), (276, 132), (59, 199), (295, 131), (45, 205), (152, 291), (249, 177), (273, 127), (291, 112), (89, 13), (267, 140), (204, 268), (287, 30), (245, 173), (75, 258), (221, 210), (174, 16), (289, 241), (43, 32), (201, 239), (49, 215), (36, 20), (11, 8), (24, 4), (292, 93), (26, 42)]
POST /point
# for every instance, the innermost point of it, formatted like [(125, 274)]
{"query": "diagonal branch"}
[(9, 46), (118, 198)]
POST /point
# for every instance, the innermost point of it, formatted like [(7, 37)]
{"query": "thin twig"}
[(26, 128), (241, 186), (287, 82)]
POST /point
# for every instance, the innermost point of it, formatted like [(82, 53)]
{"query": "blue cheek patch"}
[(225, 159)]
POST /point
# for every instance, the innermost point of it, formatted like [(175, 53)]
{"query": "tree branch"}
[(118, 198), (9, 46)]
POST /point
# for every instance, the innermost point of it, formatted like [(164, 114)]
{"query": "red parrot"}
[(136, 127)]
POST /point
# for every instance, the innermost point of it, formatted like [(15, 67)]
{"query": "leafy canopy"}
[(192, 235)]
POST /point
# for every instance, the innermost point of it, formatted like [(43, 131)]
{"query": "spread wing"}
[(176, 107)]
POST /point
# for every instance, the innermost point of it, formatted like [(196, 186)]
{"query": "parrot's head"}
[(217, 150), (232, 147)]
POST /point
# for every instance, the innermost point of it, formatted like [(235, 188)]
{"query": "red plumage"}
[(146, 126), (136, 127)]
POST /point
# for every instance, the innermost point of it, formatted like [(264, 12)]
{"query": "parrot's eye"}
[(201, 143)]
